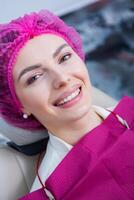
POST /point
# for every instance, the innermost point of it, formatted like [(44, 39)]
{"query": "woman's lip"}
[(73, 101), (66, 94)]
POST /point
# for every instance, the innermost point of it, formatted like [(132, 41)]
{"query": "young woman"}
[(44, 84)]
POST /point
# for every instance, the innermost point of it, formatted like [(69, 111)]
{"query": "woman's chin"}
[(79, 114)]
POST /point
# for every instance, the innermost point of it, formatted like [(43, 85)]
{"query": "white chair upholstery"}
[(17, 171)]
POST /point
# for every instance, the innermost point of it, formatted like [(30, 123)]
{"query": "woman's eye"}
[(33, 79), (65, 57)]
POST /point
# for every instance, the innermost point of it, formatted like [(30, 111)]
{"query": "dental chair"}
[(17, 170)]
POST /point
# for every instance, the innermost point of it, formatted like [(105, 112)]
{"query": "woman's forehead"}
[(39, 45), (45, 40)]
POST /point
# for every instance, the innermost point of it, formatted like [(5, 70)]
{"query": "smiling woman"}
[(52, 86), (45, 85)]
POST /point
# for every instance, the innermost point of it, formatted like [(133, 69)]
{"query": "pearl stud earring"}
[(25, 116)]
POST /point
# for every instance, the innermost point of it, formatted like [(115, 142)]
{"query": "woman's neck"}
[(73, 132)]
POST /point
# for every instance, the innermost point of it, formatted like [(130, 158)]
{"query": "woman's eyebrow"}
[(30, 68), (59, 49), (33, 67)]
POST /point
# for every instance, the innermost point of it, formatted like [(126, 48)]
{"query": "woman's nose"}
[(60, 79)]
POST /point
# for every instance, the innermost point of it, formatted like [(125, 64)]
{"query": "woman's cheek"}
[(28, 97), (82, 74)]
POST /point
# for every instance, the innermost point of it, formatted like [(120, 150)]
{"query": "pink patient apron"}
[(100, 166)]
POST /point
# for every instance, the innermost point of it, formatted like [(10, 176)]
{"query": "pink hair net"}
[(13, 37)]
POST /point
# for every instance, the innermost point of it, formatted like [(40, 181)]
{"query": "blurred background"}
[(107, 31)]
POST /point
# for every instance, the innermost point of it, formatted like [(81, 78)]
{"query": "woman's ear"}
[(25, 111)]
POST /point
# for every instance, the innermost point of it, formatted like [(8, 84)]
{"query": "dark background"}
[(107, 31)]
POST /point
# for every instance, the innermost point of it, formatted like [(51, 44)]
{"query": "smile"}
[(70, 99)]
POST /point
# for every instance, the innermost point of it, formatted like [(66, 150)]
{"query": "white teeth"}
[(70, 97)]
